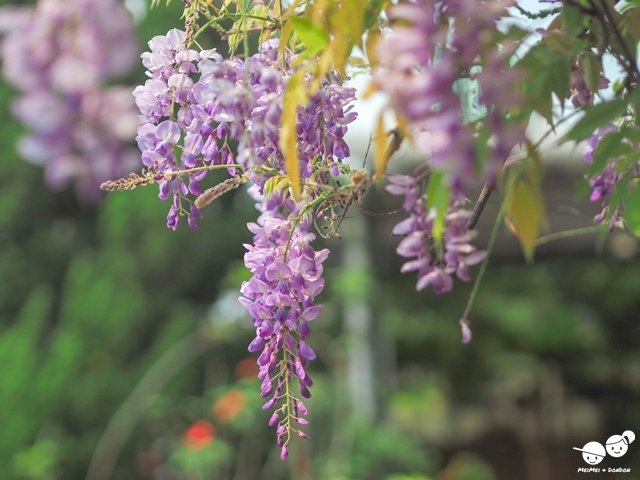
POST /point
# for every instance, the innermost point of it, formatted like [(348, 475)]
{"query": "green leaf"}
[(630, 23), (314, 37), (270, 185), (438, 194), (634, 101), (632, 212), (547, 72), (632, 133), (595, 117), (591, 69), (574, 19), (610, 146), (619, 197)]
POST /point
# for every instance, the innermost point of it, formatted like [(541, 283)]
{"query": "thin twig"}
[(485, 263), (540, 14), (623, 44), (478, 208), (570, 233), (632, 67)]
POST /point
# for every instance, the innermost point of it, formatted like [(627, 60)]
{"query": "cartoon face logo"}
[(592, 452), (617, 445)]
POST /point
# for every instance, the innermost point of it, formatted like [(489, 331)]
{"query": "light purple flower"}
[(431, 45), (418, 246), (61, 55), (286, 278), (218, 102)]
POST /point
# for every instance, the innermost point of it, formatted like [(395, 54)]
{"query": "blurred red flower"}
[(199, 435)]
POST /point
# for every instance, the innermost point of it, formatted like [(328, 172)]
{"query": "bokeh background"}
[(123, 350)]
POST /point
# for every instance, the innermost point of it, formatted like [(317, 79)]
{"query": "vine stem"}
[(478, 208), (542, 240), (570, 233), (483, 267), (633, 65), (177, 173)]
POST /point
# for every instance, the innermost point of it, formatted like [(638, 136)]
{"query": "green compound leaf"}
[(438, 195), (314, 37), (595, 117), (547, 73), (632, 212)]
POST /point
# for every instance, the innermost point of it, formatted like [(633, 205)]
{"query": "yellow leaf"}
[(525, 211), (380, 144), (291, 9), (285, 36), (319, 10), (371, 89), (371, 45), (355, 10), (295, 96), (340, 33), (403, 126)]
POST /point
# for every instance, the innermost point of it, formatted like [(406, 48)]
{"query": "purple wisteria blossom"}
[(60, 55), (286, 278), (579, 92), (432, 44), (194, 107), (417, 245), (196, 104), (603, 184)]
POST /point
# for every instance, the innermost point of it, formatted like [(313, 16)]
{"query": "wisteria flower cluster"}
[(433, 44), (418, 246), (276, 116), (420, 62), (286, 278), (195, 106), (604, 183), (60, 55)]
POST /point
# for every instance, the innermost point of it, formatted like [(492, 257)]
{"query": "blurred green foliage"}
[(94, 295)]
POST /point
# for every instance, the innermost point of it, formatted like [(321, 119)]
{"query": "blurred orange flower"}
[(246, 368), (229, 405)]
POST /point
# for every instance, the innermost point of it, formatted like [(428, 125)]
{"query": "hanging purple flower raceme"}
[(194, 107), (579, 92), (432, 44), (418, 247), (60, 55), (286, 278), (603, 184)]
